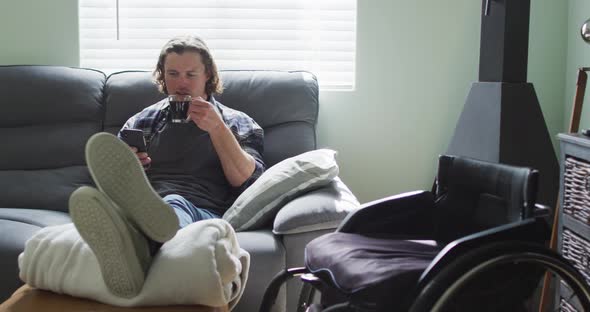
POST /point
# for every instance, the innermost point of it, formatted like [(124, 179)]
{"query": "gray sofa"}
[(48, 113)]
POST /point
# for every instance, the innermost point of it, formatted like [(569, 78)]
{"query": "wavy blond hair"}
[(183, 44)]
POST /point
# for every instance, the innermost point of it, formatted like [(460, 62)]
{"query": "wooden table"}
[(26, 299)]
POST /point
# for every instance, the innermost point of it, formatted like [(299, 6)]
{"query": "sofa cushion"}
[(47, 189), (36, 217), (321, 209), (285, 104), (48, 113), (127, 93), (49, 95), (13, 236), (16, 227), (279, 184)]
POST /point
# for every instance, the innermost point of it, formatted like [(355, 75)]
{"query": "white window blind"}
[(314, 35)]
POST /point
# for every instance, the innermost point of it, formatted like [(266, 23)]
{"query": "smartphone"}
[(134, 138)]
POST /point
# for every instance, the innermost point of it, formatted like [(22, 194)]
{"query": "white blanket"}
[(202, 264)]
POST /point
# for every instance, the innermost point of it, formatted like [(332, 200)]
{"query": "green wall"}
[(578, 55), (415, 65), (416, 60), (39, 32)]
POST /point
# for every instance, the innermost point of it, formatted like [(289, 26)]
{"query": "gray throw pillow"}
[(321, 209), (279, 184)]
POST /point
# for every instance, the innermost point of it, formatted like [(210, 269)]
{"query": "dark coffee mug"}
[(179, 108)]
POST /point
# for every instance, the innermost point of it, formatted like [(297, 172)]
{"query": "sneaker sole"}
[(104, 231), (117, 172)]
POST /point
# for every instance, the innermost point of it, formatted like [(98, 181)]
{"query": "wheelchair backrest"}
[(474, 195)]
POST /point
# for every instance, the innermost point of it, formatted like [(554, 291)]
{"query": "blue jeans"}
[(187, 212)]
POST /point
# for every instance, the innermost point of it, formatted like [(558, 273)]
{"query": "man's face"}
[(185, 74)]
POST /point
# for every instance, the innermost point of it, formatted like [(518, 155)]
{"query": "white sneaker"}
[(122, 251), (117, 172)]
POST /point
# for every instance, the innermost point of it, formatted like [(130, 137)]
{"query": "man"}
[(191, 171)]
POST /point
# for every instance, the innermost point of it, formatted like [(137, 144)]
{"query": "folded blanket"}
[(203, 264)]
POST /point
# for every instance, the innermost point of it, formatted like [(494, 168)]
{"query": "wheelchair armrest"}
[(407, 214), (541, 211), (530, 230)]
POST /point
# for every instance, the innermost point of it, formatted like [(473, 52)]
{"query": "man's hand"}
[(144, 159), (204, 115)]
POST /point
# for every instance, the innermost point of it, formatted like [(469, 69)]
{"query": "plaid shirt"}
[(247, 132)]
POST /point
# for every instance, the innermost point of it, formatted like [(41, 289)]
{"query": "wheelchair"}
[(477, 242)]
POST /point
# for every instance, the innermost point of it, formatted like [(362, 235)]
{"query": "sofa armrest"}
[(320, 209)]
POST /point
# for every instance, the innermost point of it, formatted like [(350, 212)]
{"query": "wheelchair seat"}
[(405, 251), (369, 266)]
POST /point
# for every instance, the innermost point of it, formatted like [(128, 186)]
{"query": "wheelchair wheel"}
[(503, 277)]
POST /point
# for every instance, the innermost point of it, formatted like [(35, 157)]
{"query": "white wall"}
[(416, 60)]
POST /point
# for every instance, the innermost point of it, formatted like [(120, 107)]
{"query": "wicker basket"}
[(576, 185), (577, 250), (566, 306)]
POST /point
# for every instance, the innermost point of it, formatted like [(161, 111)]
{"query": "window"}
[(314, 35)]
